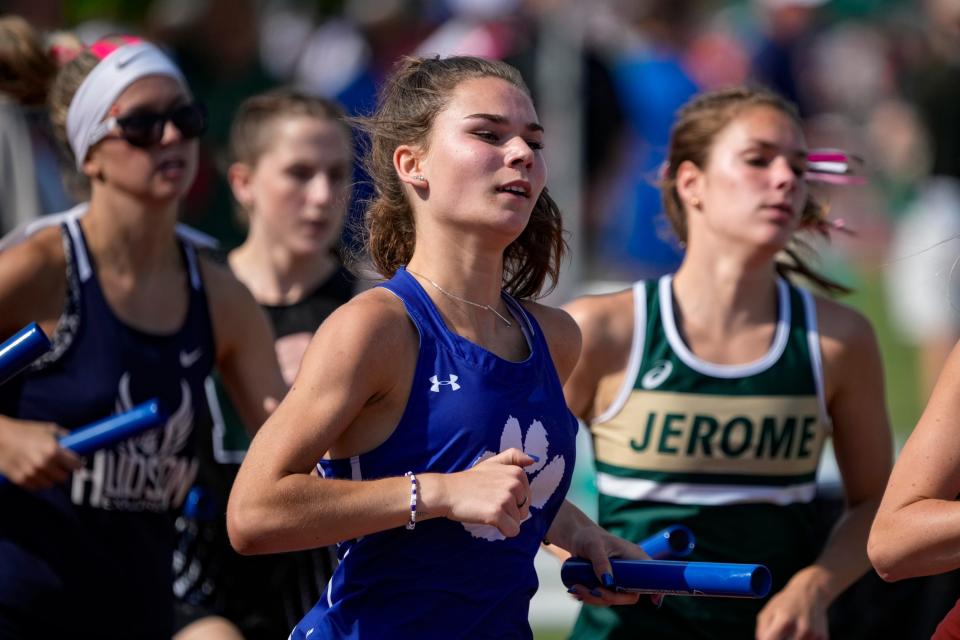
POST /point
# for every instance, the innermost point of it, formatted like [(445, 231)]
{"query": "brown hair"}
[(413, 95), (250, 131), (26, 69), (65, 86), (697, 126)]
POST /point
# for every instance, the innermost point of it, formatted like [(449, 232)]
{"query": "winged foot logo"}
[(149, 472), (544, 477)]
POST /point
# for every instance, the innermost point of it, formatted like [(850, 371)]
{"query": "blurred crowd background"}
[(879, 79)]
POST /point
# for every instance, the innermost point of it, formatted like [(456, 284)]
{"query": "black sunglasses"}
[(145, 129)]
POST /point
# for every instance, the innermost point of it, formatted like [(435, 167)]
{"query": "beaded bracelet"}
[(413, 500)]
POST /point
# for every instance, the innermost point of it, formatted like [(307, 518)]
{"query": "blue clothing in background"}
[(634, 240)]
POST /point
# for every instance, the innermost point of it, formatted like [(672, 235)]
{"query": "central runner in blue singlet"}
[(466, 404), (432, 405)]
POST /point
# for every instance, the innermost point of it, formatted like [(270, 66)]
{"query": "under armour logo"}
[(436, 383)]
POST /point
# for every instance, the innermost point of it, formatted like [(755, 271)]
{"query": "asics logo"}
[(657, 375), (436, 383), (189, 358)]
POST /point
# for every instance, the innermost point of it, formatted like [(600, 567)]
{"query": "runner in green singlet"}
[(710, 392)]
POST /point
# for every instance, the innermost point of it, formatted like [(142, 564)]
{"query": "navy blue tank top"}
[(92, 557), (445, 579)]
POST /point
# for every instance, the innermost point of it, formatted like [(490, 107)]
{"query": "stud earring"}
[(419, 178), (695, 203)]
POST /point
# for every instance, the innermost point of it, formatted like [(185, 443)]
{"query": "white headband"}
[(104, 84)]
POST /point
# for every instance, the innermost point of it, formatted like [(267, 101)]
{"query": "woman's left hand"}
[(796, 613), (592, 543)]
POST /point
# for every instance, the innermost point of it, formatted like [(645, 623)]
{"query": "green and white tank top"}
[(687, 431), (729, 450)]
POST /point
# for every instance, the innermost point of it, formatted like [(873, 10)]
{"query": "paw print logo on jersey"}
[(544, 476)]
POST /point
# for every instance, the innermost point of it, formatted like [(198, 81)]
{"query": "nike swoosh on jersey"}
[(188, 359)]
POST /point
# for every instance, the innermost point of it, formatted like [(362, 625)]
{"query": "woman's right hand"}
[(494, 492), (31, 456)]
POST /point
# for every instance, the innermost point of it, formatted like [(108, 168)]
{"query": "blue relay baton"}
[(109, 431), (676, 541), (675, 577), (19, 351)]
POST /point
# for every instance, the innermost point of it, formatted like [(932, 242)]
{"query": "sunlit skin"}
[(751, 191), (157, 175), (488, 138)]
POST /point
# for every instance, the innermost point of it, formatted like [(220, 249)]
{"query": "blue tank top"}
[(445, 579), (92, 557)]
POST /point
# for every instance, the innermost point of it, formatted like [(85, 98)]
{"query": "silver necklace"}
[(459, 299)]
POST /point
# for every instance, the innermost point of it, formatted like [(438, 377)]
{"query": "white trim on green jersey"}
[(725, 370), (702, 494), (816, 358), (636, 353), (674, 434)]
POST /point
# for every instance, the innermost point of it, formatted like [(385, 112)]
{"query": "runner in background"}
[(291, 177), (133, 313), (710, 392)]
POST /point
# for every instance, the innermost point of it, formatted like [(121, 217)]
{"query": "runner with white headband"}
[(133, 313), (119, 67)]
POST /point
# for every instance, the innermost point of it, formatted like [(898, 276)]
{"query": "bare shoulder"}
[(602, 309), (374, 320), (607, 323), (32, 281), (553, 320), (843, 330), (849, 347), (36, 257), (377, 307), (221, 285), (562, 335)]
